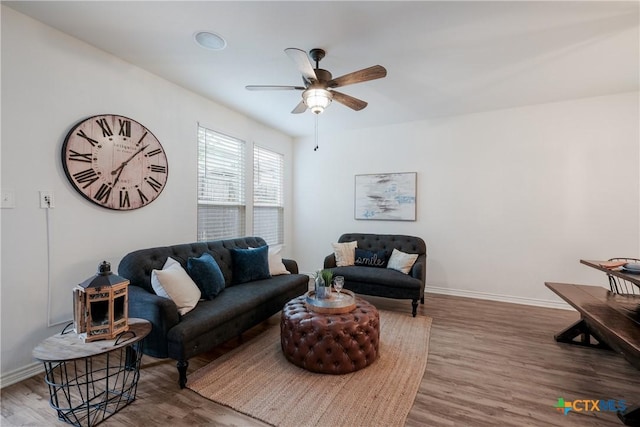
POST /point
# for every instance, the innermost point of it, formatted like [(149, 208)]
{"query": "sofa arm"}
[(419, 269), (161, 312), (290, 265), (330, 261)]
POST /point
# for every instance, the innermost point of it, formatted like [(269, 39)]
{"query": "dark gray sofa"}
[(384, 282), (212, 322)]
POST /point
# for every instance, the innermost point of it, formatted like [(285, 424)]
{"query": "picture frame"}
[(385, 196)]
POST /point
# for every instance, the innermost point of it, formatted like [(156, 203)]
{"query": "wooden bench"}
[(612, 319)]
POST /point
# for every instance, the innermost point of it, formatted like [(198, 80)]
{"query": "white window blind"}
[(268, 197), (221, 186)]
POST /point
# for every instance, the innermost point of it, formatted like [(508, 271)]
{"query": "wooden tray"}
[(331, 305)]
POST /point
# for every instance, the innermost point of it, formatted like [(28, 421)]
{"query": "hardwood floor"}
[(490, 364)]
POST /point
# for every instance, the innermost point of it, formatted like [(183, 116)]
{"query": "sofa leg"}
[(182, 372), (414, 305)]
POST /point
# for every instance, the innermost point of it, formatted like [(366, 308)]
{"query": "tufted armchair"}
[(385, 282)]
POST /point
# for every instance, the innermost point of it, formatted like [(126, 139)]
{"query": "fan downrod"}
[(317, 55)]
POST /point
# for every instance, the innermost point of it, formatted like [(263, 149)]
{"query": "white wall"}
[(506, 199), (50, 81)]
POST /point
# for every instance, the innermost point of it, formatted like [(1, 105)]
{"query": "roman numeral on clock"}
[(125, 128), (124, 199), (91, 141), (141, 138), (154, 184), (154, 152), (143, 198), (158, 168), (80, 157), (103, 193), (106, 130), (89, 176)]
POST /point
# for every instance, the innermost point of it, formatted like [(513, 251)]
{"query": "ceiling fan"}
[(319, 85)]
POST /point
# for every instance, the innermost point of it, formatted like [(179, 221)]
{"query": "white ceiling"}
[(442, 58)]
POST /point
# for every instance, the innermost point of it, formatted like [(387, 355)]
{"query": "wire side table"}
[(89, 382)]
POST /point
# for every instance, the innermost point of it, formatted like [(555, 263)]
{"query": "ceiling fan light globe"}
[(317, 99)]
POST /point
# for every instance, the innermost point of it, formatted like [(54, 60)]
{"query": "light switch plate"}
[(7, 199)]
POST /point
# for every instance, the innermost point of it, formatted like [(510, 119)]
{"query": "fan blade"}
[(301, 59), (258, 87), (371, 73), (300, 108), (349, 101)]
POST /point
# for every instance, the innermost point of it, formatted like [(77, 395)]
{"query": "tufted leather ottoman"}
[(330, 343)]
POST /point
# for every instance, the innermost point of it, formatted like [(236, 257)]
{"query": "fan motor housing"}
[(322, 75)]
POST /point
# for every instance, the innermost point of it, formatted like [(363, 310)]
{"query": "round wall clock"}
[(115, 162)]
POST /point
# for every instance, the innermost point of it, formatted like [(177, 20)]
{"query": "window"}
[(221, 186), (223, 174), (268, 188)]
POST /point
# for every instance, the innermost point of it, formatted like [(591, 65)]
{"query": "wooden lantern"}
[(100, 306)]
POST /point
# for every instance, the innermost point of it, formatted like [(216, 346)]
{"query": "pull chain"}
[(316, 147)]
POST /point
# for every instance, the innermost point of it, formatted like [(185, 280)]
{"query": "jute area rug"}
[(256, 379)]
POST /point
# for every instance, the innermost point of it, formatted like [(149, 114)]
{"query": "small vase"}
[(325, 292), (322, 291)]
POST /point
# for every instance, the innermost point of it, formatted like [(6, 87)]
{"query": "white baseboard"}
[(20, 374), (498, 297)]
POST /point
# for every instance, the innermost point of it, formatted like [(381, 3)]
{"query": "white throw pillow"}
[(276, 266), (174, 283), (401, 261), (345, 253), (157, 287)]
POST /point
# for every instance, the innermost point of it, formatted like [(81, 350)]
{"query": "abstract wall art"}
[(386, 196)]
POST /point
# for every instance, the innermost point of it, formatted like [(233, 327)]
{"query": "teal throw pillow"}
[(250, 264), (370, 258), (205, 271)]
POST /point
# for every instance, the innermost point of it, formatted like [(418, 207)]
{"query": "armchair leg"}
[(414, 305), (422, 300), (182, 372)]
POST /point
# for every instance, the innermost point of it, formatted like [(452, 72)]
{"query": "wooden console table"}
[(89, 382), (612, 319)]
